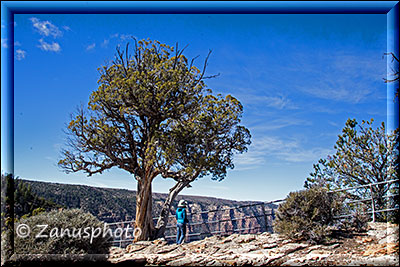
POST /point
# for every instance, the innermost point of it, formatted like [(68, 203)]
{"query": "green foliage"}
[(57, 244), (205, 140), (363, 155), (322, 176), (307, 215), (140, 116), (128, 111)]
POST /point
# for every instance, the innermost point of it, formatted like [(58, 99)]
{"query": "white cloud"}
[(91, 47), (54, 47), (17, 43), (66, 28), (46, 28), (20, 54)]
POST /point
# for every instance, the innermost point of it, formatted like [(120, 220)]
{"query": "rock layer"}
[(378, 246)]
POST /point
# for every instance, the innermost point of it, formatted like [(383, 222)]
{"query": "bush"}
[(357, 222), (307, 215), (59, 240)]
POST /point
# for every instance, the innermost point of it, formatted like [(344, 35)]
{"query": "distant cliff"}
[(115, 205)]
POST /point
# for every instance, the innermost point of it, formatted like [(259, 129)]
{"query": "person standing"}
[(181, 219)]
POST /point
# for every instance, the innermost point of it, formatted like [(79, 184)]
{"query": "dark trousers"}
[(180, 232)]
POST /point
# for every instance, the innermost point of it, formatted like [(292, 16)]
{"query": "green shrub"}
[(307, 215), (56, 242)]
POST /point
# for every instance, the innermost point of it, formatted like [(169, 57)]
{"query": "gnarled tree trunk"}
[(144, 226), (165, 211)]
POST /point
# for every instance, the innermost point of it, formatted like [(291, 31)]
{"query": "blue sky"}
[(299, 78)]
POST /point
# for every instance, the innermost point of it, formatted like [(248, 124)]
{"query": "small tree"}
[(363, 156), (136, 121)]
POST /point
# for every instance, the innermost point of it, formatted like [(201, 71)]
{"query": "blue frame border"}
[(198, 7), (9, 8)]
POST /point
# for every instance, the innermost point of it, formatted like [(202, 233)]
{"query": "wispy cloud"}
[(333, 123), (105, 43), (339, 76), (46, 28), (124, 37), (118, 36), (279, 102), (270, 147), (274, 101), (277, 124), (90, 47), (54, 47), (20, 54)]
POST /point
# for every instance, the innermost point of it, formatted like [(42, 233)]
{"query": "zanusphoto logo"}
[(24, 230)]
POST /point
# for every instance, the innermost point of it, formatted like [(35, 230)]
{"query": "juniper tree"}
[(363, 155), (138, 119)]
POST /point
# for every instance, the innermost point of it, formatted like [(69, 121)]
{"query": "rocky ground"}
[(378, 246)]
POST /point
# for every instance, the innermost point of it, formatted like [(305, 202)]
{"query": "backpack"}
[(181, 216)]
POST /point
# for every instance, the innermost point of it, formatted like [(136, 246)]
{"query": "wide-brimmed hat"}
[(182, 203)]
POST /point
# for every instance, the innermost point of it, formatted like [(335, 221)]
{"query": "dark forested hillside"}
[(26, 202), (105, 203)]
